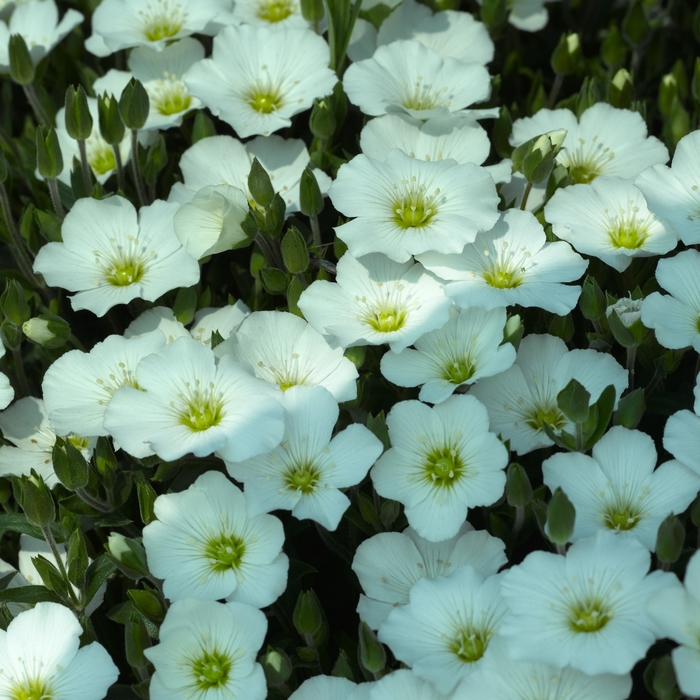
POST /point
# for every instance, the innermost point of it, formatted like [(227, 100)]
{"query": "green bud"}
[(273, 280), (342, 668), (535, 158), (513, 331), (185, 304), (294, 291), (128, 554), (276, 665), (111, 124), (147, 497), (567, 54), (630, 409), (147, 602), (203, 127), (588, 95), (78, 117), (22, 69), (661, 679), (592, 300), (574, 401), (275, 216), (11, 335), (312, 11), (518, 486), (678, 124), (613, 49), (635, 26), (502, 129), (295, 254), (13, 303), (356, 355), (156, 160), (559, 178), (105, 461), (310, 197), (670, 540), (77, 559), (260, 185), (322, 121), (561, 516), (134, 105), (370, 651), (668, 92), (621, 91), (69, 464), (47, 330), (562, 327), (37, 501), (308, 615), (679, 73), (49, 158), (494, 13)]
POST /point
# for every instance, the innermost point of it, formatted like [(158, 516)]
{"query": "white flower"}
[(204, 545), (673, 193), (408, 206), (609, 219), (524, 397), (186, 403), (676, 611), (628, 310), (109, 256), (682, 434), (285, 350), (120, 24), (390, 563), (676, 318), (407, 76), (501, 677), (40, 658), (304, 474), (527, 15), (37, 23), (257, 79), (207, 650), (443, 460), (223, 160), (404, 684), (26, 425), (7, 393), (617, 489), (606, 142), (444, 633), (468, 347), (325, 688), (376, 300), (452, 34), (78, 386), (511, 264), (585, 610), (269, 13)]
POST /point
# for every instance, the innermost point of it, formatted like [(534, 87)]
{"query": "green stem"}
[(85, 167), (93, 502), (316, 234), (21, 375), (519, 521), (140, 190), (554, 92), (631, 360), (39, 112), (121, 178), (56, 198), (48, 536), (526, 194)]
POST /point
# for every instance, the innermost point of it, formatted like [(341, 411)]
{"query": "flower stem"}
[(39, 112), (631, 360), (121, 179), (21, 375), (55, 198), (554, 92), (526, 194), (85, 166), (48, 536), (140, 190)]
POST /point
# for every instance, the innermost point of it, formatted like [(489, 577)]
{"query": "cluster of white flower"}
[(437, 267)]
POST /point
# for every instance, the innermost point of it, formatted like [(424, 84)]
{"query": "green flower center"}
[(169, 97), (224, 553), (503, 278), (422, 96), (302, 478), (101, 159), (582, 174), (470, 644), (34, 690), (550, 415), (211, 670), (202, 410), (625, 234), (162, 19), (412, 207), (125, 271), (386, 320), (589, 616), (459, 371), (78, 442), (621, 516), (264, 100), (443, 466), (275, 10)]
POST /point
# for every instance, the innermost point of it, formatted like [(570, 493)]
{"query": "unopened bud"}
[(47, 330), (310, 197), (49, 158), (322, 121), (260, 185), (561, 517), (567, 54), (22, 69), (78, 117), (670, 540), (371, 652), (518, 486), (295, 253), (134, 105), (276, 666), (621, 91), (111, 124)]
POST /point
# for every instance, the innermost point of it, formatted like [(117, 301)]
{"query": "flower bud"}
[(518, 486), (588, 95), (370, 652), (47, 330), (535, 158), (513, 331), (70, 466), (295, 254), (128, 554), (37, 501), (111, 124), (613, 49), (561, 516), (322, 121), (22, 69), (78, 117), (260, 185), (310, 197), (668, 92), (134, 105), (13, 303), (49, 158), (670, 540), (276, 665), (592, 301), (273, 280), (312, 11), (626, 315), (567, 54), (621, 91), (635, 26), (308, 615)]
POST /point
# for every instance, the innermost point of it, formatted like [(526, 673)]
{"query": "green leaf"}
[(630, 409), (29, 594), (573, 401), (17, 522), (185, 304), (605, 405), (97, 573), (51, 576)]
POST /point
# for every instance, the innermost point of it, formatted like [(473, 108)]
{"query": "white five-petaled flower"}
[(609, 219), (443, 460), (109, 255), (257, 79), (185, 402), (585, 610), (618, 489), (204, 545), (376, 300), (511, 264), (207, 650), (605, 142), (40, 658), (308, 469), (407, 206)]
